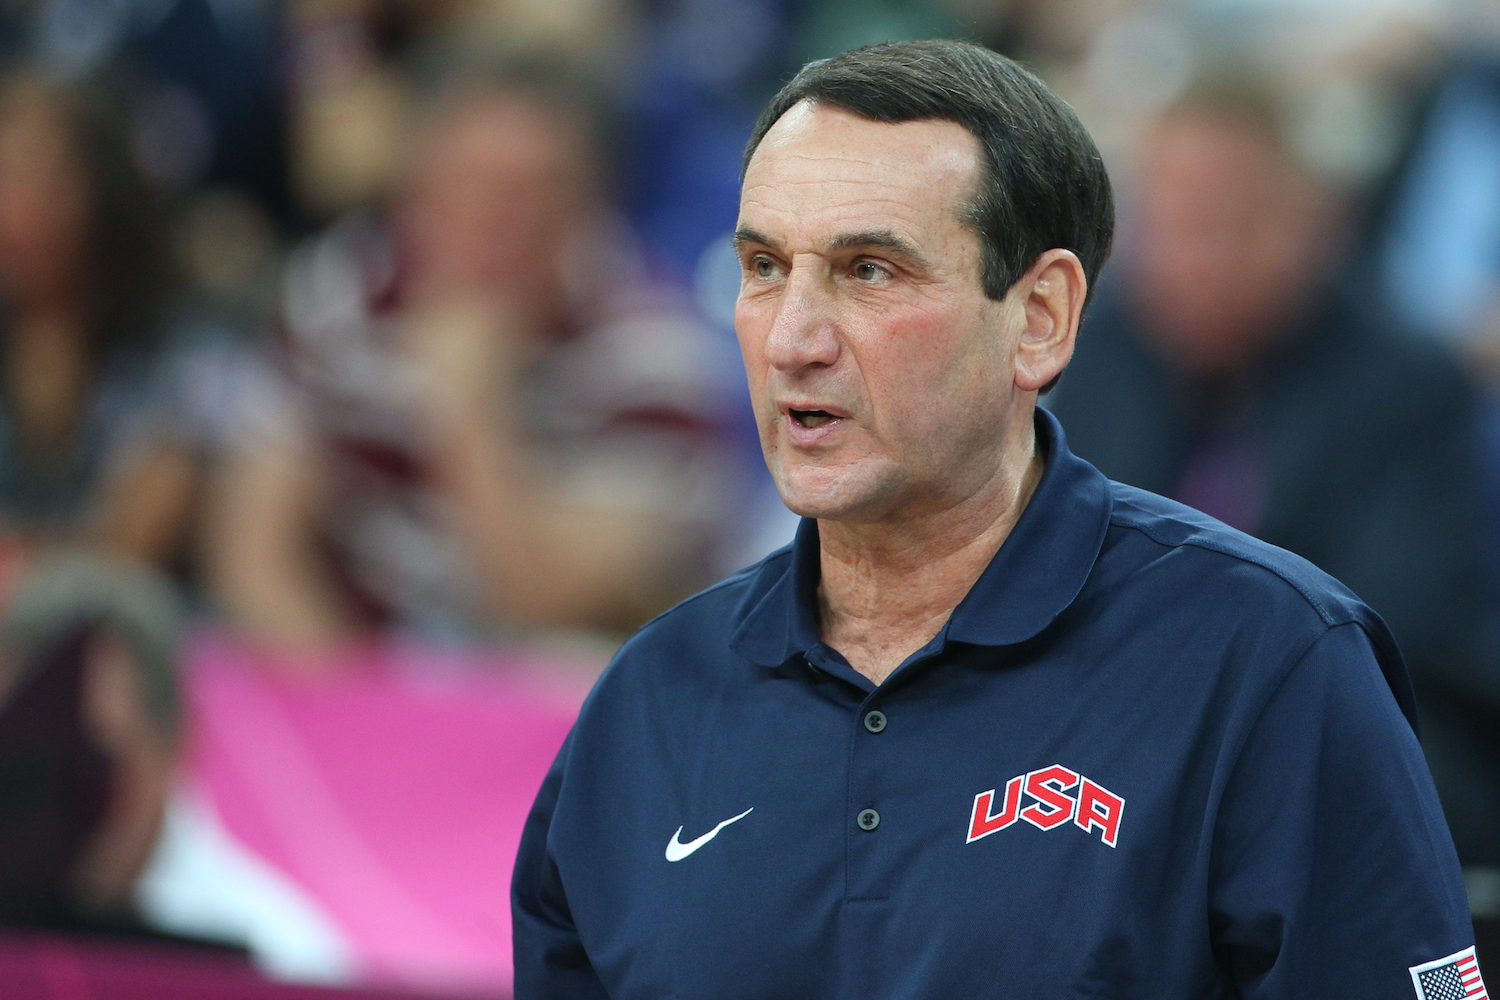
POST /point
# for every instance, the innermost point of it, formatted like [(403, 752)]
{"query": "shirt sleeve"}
[(1332, 871), (550, 961)]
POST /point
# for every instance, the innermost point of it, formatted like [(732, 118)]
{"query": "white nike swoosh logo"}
[(676, 850)]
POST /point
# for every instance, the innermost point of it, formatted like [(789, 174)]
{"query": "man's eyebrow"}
[(745, 235), (882, 239)]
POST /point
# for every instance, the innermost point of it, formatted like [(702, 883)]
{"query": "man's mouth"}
[(812, 418)]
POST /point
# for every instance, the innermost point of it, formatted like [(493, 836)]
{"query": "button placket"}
[(874, 748)]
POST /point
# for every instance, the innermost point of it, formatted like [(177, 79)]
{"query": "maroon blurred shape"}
[(56, 967)]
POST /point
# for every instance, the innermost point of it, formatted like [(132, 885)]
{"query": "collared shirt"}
[(1147, 756)]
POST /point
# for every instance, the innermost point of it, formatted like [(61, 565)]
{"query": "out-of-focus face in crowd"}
[(498, 189), (1232, 234), (44, 198)]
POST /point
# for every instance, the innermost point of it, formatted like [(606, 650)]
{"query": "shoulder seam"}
[(1323, 612)]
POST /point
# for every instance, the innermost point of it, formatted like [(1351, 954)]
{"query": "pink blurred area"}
[(50, 967), (392, 790)]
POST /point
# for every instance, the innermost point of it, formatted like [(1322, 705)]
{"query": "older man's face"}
[(880, 373)]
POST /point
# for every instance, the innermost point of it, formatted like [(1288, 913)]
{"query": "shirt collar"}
[(1037, 573)]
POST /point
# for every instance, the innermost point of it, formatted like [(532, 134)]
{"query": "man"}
[(1231, 369), (992, 725)]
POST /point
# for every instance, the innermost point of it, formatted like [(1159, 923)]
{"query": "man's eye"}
[(763, 267), (869, 272)]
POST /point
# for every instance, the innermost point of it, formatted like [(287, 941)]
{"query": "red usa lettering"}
[(1090, 805)]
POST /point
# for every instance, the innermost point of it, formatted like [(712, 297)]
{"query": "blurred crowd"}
[(329, 321)]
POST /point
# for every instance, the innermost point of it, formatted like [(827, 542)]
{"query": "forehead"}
[(821, 166)]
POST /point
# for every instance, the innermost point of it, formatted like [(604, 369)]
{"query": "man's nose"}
[(805, 331)]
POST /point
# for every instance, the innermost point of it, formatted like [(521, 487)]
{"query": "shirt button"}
[(875, 721), (868, 819)]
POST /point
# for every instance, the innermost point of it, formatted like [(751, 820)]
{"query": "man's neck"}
[(886, 589)]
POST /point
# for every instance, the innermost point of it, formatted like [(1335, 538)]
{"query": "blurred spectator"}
[(92, 486), (83, 279), (353, 63), (1229, 367), (88, 740), (493, 417)]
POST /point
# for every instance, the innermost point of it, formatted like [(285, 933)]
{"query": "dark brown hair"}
[(1044, 183)]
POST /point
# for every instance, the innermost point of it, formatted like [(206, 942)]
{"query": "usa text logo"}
[(1091, 806)]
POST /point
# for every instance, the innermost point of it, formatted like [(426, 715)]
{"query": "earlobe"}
[(1053, 290)]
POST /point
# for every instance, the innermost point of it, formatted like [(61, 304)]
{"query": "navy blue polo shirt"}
[(1147, 757)]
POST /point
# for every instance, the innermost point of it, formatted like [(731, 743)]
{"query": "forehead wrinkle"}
[(821, 159), (824, 172), (884, 189), (860, 200)]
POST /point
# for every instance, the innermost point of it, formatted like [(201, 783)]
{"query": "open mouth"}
[(812, 418)]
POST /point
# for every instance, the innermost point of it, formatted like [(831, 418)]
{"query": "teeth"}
[(812, 418)]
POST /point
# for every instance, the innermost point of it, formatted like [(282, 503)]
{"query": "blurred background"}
[(367, 373)]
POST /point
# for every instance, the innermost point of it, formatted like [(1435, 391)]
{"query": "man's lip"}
[(806, 407), (823, 432)]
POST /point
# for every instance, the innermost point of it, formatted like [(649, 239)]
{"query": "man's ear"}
[(1052, 295)]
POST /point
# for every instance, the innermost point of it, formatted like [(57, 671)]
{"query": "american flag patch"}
[(1453, 978)]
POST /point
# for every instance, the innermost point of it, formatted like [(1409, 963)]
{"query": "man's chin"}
[(827, 497)]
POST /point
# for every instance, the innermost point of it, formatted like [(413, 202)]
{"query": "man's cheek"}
[(750, 330)]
